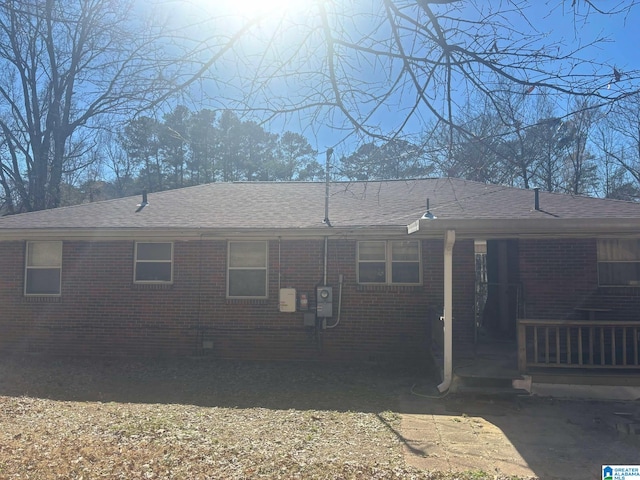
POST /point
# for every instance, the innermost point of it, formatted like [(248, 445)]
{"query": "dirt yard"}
[(198, 419)]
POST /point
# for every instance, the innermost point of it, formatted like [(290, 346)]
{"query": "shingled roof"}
[(300, 205)]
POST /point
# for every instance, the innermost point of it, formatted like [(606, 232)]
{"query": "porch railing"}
[(578, 344)]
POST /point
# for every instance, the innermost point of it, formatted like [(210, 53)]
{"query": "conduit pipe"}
[(340, 279), (449, 241), (326, 253)]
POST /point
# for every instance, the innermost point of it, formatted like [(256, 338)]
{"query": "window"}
[(247, 270), (619, 262), (43, 269), (389, 263), (153, 263)]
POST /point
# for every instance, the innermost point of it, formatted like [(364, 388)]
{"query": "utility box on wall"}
[(325, 302), (287, 299)]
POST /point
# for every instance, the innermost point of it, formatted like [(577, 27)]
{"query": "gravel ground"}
[(197, 419)]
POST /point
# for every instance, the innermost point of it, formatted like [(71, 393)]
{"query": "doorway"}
[(498, 290)]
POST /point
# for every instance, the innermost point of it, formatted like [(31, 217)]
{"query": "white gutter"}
[(303, 233), (526, 227), (449, 241)]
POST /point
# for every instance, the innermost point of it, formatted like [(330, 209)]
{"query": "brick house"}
[(240, 270)]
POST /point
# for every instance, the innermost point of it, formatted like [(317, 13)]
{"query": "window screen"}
[(247, 270), (153, 263), (43, 270)]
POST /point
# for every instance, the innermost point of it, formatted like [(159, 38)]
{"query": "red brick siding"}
[(557, 275), (102, 312), (14, 326), (464, 282), (560, 275)]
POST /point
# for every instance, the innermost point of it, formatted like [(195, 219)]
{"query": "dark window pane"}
[(154, 251), (153, 272), (43, 281), (619, 273), (405, 272), (371, 272), (248, 283)]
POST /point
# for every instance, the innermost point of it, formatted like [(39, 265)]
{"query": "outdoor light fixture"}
[(144, 202), (428, 215)]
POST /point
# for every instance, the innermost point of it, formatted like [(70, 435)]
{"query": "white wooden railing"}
[(587, 344)]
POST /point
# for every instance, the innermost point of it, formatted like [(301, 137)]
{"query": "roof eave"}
[(523, 228), (434, 228), (386, 231)]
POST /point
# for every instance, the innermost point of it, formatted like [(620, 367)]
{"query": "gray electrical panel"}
[(324, 296), (309, 320)]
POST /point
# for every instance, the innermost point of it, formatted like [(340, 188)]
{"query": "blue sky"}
[(554, 17), (622, 49)]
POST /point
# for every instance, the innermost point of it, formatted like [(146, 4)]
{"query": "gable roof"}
[(300, 206)]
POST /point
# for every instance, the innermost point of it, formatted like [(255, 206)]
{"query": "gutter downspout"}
[(449, 241), (326, 253), (326, 220)]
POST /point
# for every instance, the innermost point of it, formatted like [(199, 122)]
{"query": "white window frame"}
[(621, 259), (265, 268), (136, 261), (389, 261), (56, 265)]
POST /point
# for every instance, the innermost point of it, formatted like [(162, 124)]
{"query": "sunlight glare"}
[(254, 8)]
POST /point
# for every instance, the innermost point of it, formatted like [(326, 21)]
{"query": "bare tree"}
[(470, 152), (580, 163), (124, 169), (64, 67), (619, 137), (374, 69), (386, 68)]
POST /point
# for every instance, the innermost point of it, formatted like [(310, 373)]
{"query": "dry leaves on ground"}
[(190, 419), (198, 419)]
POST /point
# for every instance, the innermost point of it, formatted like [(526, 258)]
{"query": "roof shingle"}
[(298, 205)]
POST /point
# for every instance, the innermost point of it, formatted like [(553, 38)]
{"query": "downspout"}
[(326, 253), (326, 220), (449, 241), (327, 179)]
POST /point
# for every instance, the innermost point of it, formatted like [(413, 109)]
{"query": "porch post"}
[(449, 241)]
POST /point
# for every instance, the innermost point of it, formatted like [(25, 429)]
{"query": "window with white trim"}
[(43, 268), (395, 262), (619, 262), (247, 269), (153, 262)]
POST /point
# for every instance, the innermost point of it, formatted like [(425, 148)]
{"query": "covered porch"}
[(594, 339), (557, 308), (557, 285), (581, 358)]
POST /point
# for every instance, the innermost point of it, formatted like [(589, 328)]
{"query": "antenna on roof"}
[(144, 202), (428, 215), (326, 188)]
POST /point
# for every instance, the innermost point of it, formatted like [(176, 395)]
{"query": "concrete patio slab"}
[(530, 437)]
